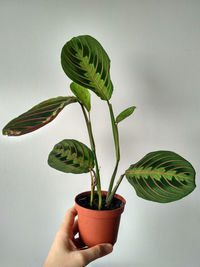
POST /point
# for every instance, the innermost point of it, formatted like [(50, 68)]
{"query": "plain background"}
[(154, 48)]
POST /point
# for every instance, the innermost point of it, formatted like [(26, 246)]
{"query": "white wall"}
[(154, 48)]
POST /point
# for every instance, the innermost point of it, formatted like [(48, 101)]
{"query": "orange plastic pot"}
[(98, 226)]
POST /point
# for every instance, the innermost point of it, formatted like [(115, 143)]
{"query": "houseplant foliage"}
[(161, 176)]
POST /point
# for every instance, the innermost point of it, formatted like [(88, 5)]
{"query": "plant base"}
[(98, 226)]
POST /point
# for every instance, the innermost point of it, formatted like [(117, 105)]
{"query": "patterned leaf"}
[(162, 176), (124, 114), (82, 94), (71, 156), (86, 62), (38, 116)]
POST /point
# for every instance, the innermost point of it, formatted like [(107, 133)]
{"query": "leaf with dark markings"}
[(162, 176), (124, 114), (82, 94), (86, 62), (38, 116), (71, 156)]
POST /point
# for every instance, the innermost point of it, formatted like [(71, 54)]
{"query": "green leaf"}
[(124, 114), (82, 94), (71, 156), (162, 176), (86, 62), (38, 116)]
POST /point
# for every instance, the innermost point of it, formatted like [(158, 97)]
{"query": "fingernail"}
[(108, 248)]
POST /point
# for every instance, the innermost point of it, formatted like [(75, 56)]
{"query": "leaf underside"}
[(85, 61), (71, 156), (162, 176), (38, 116), (82, 94)]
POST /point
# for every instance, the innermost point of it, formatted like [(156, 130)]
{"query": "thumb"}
[(96, 252)]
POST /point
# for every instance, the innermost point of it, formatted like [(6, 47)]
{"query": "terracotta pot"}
[(98, 226)]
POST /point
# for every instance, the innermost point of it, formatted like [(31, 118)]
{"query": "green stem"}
[(92, 189), (112, 179), (115, 189), (117, 149), (91, 196), (92, 143)]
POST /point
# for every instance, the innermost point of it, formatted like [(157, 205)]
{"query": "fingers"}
[(77, 241), (75, 228), (68, 222), (95, 252)]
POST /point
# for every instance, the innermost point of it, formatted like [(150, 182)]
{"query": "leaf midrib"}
[(72, 157), (87, 68), (153, 172)]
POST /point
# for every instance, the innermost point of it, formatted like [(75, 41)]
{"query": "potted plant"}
[(161, 176)]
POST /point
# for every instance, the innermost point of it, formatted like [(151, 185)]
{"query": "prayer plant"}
[(160, 176)]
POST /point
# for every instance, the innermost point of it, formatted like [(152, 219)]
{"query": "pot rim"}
[(114, 211)]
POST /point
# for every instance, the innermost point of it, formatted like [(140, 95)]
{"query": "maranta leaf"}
[(162, 176), (37, 116), (71, 156), (125, 113), (86, 62), (82, 94)]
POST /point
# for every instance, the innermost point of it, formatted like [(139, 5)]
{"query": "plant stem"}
[(115, 189), (92, 189), (117, 149), (112, 179), (92, 143)]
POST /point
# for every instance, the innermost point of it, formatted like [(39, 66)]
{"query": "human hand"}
[(67, 251)]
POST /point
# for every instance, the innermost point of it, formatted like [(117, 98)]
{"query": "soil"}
[(84, 201)]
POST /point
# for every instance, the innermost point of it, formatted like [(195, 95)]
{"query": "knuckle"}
[(98, 250), (82, 259)]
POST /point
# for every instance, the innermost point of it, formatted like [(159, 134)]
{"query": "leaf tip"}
[(4, 132), (9, 132)]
